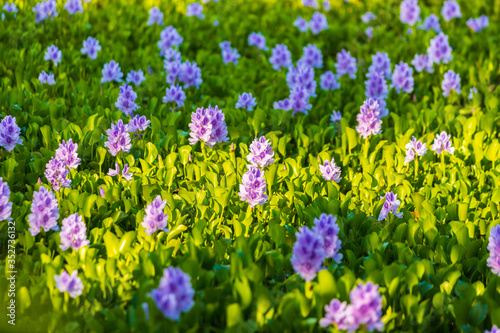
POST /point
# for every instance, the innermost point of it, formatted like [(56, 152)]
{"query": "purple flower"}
[(285, 105), (155, 16), (258, 40), (195, 9), (53, 54), (326, 5), (45, 10), (46, 78), (346, 64), (391, 204), (280, 57), (336, 117), (175, 94), (302, 76), (229, 54), (91, 47), (118, 138), (208, 125), (494, 248), (126, 100), (478, 24), (5, 205), (414, 147), (431, 22), (247, 101), (365, 308), (381, 63), (73, 233), (450, 10), (171, 55), (67, 154), (136, 77), (111, 72), (367, 17), (73, 6), (471, 92), (494, 329), (101, 191), (299, 100), (318, 23), (369, 122), (451, 81), (301, 24), (44, 212), (175, 294), (442, 142), (138, 124), (308, 253), (440, 49), (56, 173), (261, 153), (326, 226), (116, 172), (216, 23), (329, 81), (190, 74), (402, 78), (375, 86), (311, 57), (410, 12), (336, 313), (330, 171), (369, 32), (10, 8), (71, 284), (253, 187), (155, 218), (421, 62), (9, 133), (310, 3), (169, 37)]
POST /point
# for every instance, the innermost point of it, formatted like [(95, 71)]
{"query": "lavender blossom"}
[(336, 117), (53, 54), (136, 77), (5, 205), (421, 62), (46, 78), (375, 86), (91, 47), (9, 133), (281, 57), (442, 142), (171, 55), (391, 204), (169, 37), (326, 5), (478, 24), (208, 125), (247, 101), (155, 218), (494, 248), (369, 122), (440, 50), (308, 253), (336, 313), (44, 10), (176, 95), (450, 10), (402, 78), (310, 3), (302, 76), (285, 105), (414, 147), (311, 57), (67, 153), (253, 187), (330, 171), (329, 81), (258, 40), (494, 329), (365, 308), (190, 74), (451, 81), (10, 8), (326, 226), (73, 233), (111, 72), (118, 138), (261, 153), (318, 23), (410, 12), (56, 173), (126, 100), (195, 9), (301, 24), (155, 16), (431, 22), (125, 172), (471, 92), (381, 63), (73, 6), (229, 54), (369, 32), (44, 212), (138, 124), (299, 100), (71, 284), (346, 64), (367, 17)]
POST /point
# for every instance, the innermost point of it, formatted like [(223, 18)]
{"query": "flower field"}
[(250, 166)]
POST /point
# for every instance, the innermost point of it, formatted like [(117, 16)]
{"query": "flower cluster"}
[(258, 40), (369, 32), (494, 329), (391, 204), (302, 76), (186, 72), (312, 57), (472, 91), (126, 100), (298, 101), (478, 24), (57, 173), (67, 153), (402, 78), (494, 248), (301, 24), (318, 23), (5, 205), (440, 50), (175, 94), (45, 9), (73, 233), (10, 8), (365, 309), (442, 142), (54, 54), (450, 10), (308, 253), (414, 147), (195, 9), (421, 62), (44, 212), (281, 57), (208, 125), (381, 63), (310, 3), (261, 153), (155, 218), (369, 122), (73, 6), (169, 37), (336, 117), (136, 77), (118, 138), (125, 172), (367, 17), (46, 78), (246, 101), (327, 227), (155, 16), (9, 133), (376, 88), (138, 124), (91, 47), (431, 22), (253, 187), (328, 81), (175, 294), (346, 64), (229, 54), (69, 283), (451, 81), (410, 12), (111, 72), (330, 171)]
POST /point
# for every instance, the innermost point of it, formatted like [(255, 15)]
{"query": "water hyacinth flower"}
[(365, 308), (301, 24), (336, 117), (281, 57), (155, 218), (310, 3), (402, 78), (175, 294), (71, 284), (44, 10), (308, 253), (253, 187), (136, 77), (318, 23), (155, 16), (346, 64), (111, 72), (73, 233), (451, 81), (369, 122), (450, 10), (421, 62), (126, 100), (440, 50), (102, 192), (246, 101), (478, 24), (91, 47), (44, 212), (56, 173), (494, 329), (46, 78), (5, 205), (169, 37), (195, 9), (311, 57), (326, 226), (414, 147), (138, 124), (431, 22), (190, 74), (9, 133), (216, 23), (326, 5), (376, 86), (261, 153), (367, 17), (328, 81), (494, 248), (302, 76), (258, 40), (118, 138), (330, 171), (125, 172), (208, 125), (53, 54), (369, 32), (336, 313), (229, 54), (471, 92), (391, 205), (442, 142), (299, 100), (176, 95), (382, 64), (73, 6), (67, 153), (285, 105), (171, 55), (10, 8), (409, 12)]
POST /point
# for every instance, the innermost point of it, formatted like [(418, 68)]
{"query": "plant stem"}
[(442, 163), (366, 148), (416, 167)]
